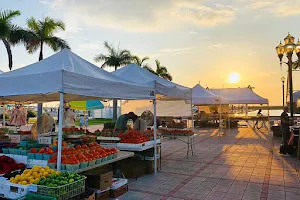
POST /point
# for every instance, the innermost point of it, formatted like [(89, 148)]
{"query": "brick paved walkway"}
[(244, 164)]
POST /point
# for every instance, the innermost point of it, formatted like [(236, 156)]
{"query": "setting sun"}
[(234, 77)]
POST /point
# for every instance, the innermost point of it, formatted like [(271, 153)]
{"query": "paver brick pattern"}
[(241, 164)]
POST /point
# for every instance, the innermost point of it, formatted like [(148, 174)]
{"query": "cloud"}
[(217, 46), (278, 8), (193, 33), (175, 50), (142, 15), (170, 52)]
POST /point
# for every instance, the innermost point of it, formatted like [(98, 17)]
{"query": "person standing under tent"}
[(258, 115), (285, 129), (121, 123)]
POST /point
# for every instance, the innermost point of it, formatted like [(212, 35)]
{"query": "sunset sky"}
[(197, 40)]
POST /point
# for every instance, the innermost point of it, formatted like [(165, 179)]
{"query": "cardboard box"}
[(150, 166), (119, 191), (133, 169), (99, 180), (101, 194)]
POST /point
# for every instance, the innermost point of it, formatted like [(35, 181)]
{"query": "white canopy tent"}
[(164, 90), (66, 77), (201, 96), (239, 96)]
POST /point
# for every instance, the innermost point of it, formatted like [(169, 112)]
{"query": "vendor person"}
[(139, 123), (121, 123)]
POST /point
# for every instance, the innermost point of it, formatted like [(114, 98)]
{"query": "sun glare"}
[(234, 77)]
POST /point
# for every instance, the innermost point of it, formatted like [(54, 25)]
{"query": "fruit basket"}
[(63, 192)]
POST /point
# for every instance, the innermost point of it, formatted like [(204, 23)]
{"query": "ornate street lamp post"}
[(288, 49), (282, 80)]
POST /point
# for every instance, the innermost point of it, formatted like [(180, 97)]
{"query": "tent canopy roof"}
[(240, 96), (70, 74), (164, 89), (201, 96)]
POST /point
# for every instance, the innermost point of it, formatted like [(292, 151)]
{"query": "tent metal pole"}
[(220, 125), (269, 117), (155, 136), (228, 118), (60, 124), (3, 114)]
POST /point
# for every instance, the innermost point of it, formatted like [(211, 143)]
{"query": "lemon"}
[(46, 174), (30, 178), (24, 183), (42, 171), (31, 181), (37, 176), (26, 171), (35, 169), (34, 173), (12, 179), (57, 173), (46, 168), (18, 176)]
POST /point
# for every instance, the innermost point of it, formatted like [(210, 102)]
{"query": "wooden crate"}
[(118, 192)]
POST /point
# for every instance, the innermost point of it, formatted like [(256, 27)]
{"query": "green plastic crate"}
[(31, 196), (63, 192)]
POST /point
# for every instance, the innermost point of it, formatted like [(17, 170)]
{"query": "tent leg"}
[(269, 118), (220, 125), (60, 124), (3, 115), (155, 136)]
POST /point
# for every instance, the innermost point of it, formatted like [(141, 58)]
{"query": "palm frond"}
[(150, 69), (8, 15), (144, 59), (19, 35), (51, 26), (136, 60), (33, 25), (100, 58), (157, 63), (167, 76), (111, 50), (56, 43)]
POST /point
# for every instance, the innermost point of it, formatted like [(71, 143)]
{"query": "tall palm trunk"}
[(9, 54), (40, 105), (115, 105)]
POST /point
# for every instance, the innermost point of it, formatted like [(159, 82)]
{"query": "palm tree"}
[(43, 33), (161, 71), (11, 34), (115, 58)]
